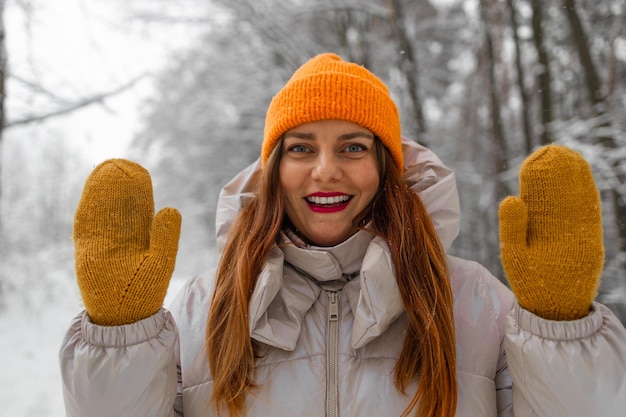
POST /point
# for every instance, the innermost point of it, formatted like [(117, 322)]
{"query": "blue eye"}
[(355, 147), (298, 148)]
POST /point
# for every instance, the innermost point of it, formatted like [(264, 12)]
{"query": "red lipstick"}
[(324, 202)]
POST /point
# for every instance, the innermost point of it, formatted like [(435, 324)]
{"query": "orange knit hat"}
[(326, 87)]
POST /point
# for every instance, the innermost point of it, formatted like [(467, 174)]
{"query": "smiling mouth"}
[(330, 204), (328, 201)]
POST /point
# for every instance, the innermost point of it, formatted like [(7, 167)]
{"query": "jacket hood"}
[(281, 298), (423, 170)]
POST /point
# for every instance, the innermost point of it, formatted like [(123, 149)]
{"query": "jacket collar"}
[(294, 277)]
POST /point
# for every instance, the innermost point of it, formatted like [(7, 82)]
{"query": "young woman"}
[(334, 295)]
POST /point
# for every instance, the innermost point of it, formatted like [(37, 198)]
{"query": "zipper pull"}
[(333, 308)]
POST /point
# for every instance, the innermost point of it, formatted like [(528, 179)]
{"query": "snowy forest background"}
[(182, 87)]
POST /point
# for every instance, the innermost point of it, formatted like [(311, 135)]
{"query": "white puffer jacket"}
[(331, 322)]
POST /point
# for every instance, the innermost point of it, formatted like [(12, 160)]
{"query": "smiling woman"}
[(335, 146), (334, 295)]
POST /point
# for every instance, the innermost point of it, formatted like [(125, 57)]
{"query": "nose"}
[(327, 168)]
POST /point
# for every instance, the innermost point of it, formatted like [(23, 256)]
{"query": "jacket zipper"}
[(331, 360)]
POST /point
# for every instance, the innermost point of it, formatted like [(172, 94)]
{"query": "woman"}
[(333, 295)]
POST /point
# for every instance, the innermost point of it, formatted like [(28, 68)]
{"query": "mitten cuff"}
[(127, 334), (557, 330)]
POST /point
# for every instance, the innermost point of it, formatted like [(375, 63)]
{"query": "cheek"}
[(284, 176), (289, 181), (372, 190), (369, 182)]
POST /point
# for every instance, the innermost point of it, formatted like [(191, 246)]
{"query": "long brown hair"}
[(398, 215)]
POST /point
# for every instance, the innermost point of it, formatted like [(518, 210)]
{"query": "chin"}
[(331, 240)]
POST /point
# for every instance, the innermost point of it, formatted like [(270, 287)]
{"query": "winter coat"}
[(330, 325)]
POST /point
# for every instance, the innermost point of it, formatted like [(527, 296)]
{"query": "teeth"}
[(328, 200)]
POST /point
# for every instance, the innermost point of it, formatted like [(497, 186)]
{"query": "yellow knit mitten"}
[(551, 235), (124, 254)]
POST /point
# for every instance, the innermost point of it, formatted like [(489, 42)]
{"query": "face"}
[(328, 173)]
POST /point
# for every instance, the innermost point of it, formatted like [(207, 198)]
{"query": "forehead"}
[(331, 127)]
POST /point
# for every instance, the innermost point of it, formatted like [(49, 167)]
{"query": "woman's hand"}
[(551, 235), (124, 254)]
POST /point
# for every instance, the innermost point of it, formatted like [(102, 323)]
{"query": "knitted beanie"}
[(326, 87)]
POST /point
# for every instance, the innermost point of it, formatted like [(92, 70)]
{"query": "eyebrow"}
[(345, 136)]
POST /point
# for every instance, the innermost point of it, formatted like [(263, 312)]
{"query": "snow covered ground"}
[(33, 323), (30, 381)]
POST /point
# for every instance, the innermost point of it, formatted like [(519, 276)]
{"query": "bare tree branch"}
[(98, 98), (35, 87)]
